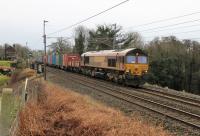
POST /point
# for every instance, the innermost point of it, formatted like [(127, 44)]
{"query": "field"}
[(6, 63), (3, 79), (63, 112)]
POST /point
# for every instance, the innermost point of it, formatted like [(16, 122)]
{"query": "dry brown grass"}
[(19, 75), (26, 73), (65, 113)]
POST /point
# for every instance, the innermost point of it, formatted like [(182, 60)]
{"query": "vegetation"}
[(175, 63), (20, 75), (80, 40), (62, 112), (104, 37), (11, 102), (21, 54), (10, 105), (6, 63), (3, 79), (61, 46)]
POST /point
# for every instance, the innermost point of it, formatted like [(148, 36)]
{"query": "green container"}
[(57, 60), (60, 60)]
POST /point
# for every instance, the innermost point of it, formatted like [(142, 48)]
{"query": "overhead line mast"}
[(45, 54)]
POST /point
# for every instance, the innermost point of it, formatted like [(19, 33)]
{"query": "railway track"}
[(184, 99), (185, 117), (181, 99)]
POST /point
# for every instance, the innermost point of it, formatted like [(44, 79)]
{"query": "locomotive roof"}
[(109, 52)]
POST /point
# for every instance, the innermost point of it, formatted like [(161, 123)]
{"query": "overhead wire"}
[(146, 30), (179, 39), (176, 33), (173, 28), (185, 22), (84, 20), (167, 19)]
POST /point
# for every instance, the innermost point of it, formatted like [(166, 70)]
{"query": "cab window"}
[(131, 59), (142, 59)]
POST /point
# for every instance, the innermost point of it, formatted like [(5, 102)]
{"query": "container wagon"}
[(53, 60)]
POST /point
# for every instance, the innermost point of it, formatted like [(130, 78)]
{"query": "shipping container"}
[(48, 59), (65, 60), (57, 60), (74, 60), (60, 60), (53, 59)]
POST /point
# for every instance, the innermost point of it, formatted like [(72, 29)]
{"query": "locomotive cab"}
[(127, 66), (136, 67)]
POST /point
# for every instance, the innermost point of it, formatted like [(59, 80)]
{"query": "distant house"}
[(10, 53)]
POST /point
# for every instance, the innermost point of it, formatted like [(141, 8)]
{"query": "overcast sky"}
[(21, 20)]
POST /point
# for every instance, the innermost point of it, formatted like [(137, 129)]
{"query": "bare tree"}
[(61, 46), (132, 40)]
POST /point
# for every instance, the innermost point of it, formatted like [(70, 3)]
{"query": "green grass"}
[(6, 63), (3, 79)]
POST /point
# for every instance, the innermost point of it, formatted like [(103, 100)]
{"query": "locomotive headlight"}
[(145, 71)]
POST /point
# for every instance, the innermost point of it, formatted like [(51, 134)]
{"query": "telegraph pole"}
[(45, 54), (114, 38)]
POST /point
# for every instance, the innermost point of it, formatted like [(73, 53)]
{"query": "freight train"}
[(128, 66)]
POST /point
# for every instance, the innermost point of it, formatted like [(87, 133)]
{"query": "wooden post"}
[(24, 93)]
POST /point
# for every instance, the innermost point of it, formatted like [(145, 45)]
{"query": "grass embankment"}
[(6, 63), (3, 79), (60, 113), (11, 101)]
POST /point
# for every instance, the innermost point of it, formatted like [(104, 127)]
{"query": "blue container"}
[(54, 59)]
